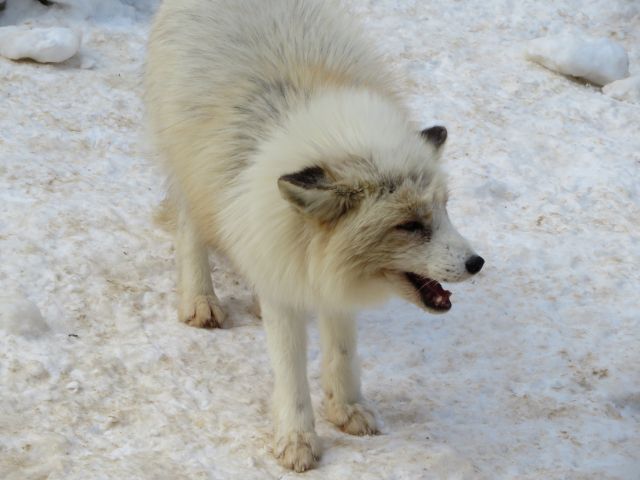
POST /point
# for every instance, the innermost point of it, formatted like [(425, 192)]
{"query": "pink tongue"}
[(438, 290), (440, 296)]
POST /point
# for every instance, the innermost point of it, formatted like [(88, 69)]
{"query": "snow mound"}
[(20, 316), (44, 45), (598, 60), (627, 89)]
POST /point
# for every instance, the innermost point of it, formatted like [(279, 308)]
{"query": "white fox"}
[(288, 149)]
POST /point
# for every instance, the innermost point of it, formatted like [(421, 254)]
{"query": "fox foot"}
[(203, 312)]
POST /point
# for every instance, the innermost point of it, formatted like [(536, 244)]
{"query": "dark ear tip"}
[(436, 135), (308, 178)]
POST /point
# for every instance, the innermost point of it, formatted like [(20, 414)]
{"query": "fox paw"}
[(203, 312), (354, 418), (298, 451)]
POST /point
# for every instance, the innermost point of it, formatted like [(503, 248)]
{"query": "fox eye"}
[(413, 226)]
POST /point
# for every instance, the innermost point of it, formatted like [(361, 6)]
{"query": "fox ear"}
[(314, 193), (435, 135)]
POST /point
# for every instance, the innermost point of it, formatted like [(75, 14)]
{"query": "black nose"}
[(474, 264)]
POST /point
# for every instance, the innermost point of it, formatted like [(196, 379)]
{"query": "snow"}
[(45, 45), (598, 60), (533, 374), (627, 89), (19, 316)]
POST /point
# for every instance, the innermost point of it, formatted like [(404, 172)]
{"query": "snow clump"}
[(20, 316), (44, 45), (597, 60)]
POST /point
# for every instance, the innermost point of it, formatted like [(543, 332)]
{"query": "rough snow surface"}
[(627, 89), (45, 45), (533, 374), (598, 60)]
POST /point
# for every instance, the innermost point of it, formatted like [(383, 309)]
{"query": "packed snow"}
[(598, 60), (533, 374), (627, 89), (46, 45)]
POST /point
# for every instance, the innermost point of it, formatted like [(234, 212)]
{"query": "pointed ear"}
[(314, 193), (435, 135)]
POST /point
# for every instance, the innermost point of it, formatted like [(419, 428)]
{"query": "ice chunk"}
[(45, 45), (626, 89), (20, 316), (598, 60)]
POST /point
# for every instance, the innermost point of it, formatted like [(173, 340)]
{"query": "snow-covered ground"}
[(534, 374)]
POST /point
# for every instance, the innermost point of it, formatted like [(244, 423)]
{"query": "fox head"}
[(379, 220)]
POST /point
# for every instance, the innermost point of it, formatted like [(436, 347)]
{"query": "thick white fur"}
[(243, 92)]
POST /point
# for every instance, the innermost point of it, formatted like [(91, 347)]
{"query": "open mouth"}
[(431, 293)]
